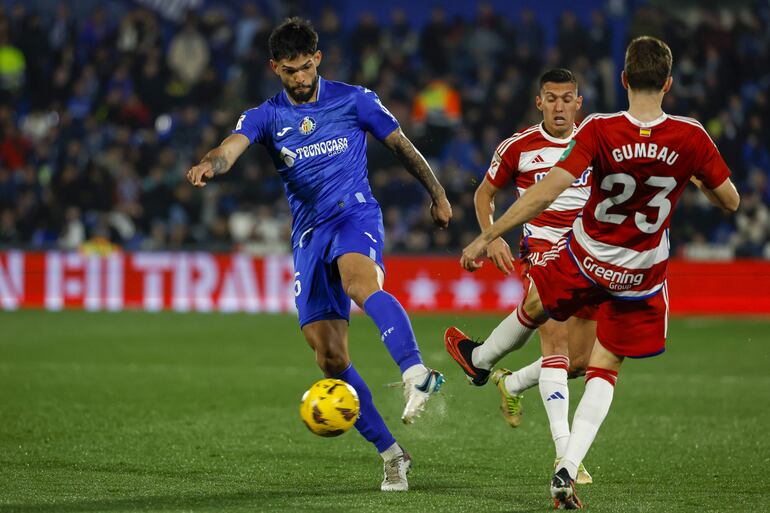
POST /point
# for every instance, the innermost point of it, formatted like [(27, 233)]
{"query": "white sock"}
[(524, 378), (391, 452), (511, 334), (555, 394), (589, 415), (415, 371)]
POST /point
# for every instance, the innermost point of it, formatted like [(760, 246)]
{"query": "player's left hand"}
[(473, 251), (441, 211), (198, 175)]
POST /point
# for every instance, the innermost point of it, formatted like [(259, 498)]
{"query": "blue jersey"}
[(319, 148)]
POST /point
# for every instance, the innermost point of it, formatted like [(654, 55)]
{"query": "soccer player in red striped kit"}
[(616, 255), (520, 161)]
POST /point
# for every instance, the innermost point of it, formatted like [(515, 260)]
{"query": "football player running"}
[(315, 132), (521, 161), (616, 255)]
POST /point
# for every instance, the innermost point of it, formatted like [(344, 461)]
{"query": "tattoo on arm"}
[(414, 162), (218, 163)]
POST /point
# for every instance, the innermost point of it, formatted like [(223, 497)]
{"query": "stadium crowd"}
[(100, 117)]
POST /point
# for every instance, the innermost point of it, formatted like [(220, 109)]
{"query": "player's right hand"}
[(197, 174), (499, 252), (441, 212), (472, 252)]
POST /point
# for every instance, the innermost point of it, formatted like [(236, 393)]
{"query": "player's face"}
[(299, 76), (559, 104)]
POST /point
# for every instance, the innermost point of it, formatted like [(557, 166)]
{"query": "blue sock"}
[(395, 328), (369, 423)]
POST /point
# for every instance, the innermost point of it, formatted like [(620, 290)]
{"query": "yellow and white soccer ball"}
[(329, 407)]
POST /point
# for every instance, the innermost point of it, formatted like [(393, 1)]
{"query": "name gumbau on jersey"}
[(328, 148), (645, 150)]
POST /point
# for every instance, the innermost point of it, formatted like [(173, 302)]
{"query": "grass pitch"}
[(171, 412)]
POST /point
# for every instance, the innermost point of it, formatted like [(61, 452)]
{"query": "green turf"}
[(172, 412)]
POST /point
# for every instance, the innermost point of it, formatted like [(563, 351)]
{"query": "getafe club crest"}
[(307, 125)]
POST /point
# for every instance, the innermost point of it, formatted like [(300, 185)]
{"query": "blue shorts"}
[(318, 291)]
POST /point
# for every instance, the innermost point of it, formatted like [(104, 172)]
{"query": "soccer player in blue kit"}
[(315, 132)]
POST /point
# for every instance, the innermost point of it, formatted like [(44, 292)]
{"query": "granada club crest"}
[(307, 125)]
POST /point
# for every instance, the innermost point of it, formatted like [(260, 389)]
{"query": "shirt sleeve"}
[(581, 150), (254, 124), (373, 116), (712, 169), (501, 172)]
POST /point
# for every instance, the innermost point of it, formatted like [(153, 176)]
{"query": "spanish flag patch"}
[(645, 132)]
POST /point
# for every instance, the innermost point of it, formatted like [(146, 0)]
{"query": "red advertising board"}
[(199, 281)]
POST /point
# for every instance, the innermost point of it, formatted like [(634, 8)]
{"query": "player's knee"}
[(533, 307), (577, 368), (355, 292), (553, 339), (578, 365), (331, 362), (359, 289)]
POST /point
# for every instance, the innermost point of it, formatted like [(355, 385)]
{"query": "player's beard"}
[(302, 95)]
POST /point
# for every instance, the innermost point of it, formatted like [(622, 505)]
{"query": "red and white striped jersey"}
[(640, 170), (524, 159)]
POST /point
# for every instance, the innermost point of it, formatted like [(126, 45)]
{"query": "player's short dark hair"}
[(292, 38), (558, 76), (648, 64)]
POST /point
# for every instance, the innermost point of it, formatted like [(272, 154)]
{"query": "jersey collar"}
[(553, 139), (648, 124)]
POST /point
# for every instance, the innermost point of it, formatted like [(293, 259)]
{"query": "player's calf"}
[(327, 339), (589, 415)]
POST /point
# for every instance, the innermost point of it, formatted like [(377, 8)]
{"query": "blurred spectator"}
[(573, 39), (753, 223), (365, 37), (247, 27), (400, 38), (62, 29), (188, 53), (12, 67), (435, 113), (74, 233), (433, 42)]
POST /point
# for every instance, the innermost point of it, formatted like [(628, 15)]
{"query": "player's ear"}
[(624, 79), (274, 66), (317, 56), (667, 84), (539, 103), (579, 102)]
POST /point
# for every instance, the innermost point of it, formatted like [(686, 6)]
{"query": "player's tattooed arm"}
[(418, 167), (219, 160), (218, 163), (414, 162)]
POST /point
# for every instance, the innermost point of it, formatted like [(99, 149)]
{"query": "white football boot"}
[(417, 392), (396, 470)]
